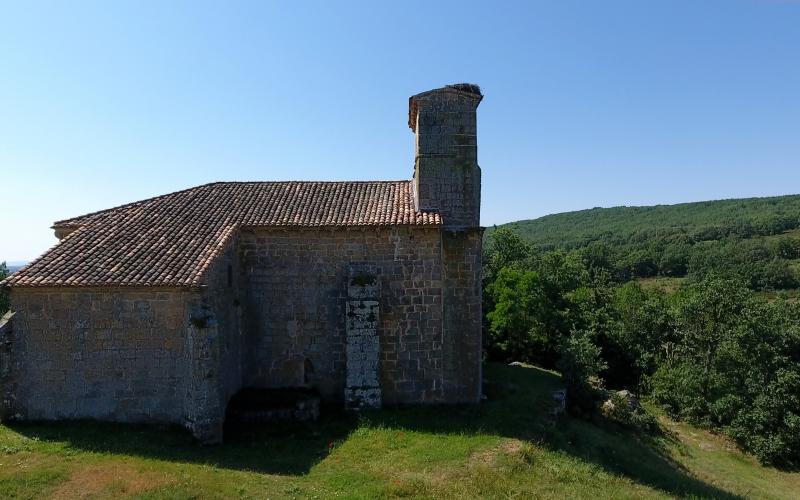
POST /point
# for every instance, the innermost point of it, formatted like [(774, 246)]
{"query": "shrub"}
[(580, 361), (678, 388)]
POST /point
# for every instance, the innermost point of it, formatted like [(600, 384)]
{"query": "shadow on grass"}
[(517, 408), (639, 457), (518, 399), (290, 449)]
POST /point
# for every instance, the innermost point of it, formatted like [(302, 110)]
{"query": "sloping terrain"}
[(505, 447)]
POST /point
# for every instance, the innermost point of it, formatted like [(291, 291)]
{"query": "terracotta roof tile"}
[(171, 240)]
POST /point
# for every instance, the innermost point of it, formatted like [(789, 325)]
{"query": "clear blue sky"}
[(587, 103)]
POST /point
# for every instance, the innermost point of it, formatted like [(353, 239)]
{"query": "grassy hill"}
[(506, 447), (757, 239)]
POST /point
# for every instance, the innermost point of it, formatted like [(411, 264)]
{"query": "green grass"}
[(503, 448)]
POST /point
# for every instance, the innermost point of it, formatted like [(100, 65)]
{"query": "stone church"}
[(368, 292)]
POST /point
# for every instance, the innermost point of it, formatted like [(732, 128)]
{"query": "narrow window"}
[(230, 276)]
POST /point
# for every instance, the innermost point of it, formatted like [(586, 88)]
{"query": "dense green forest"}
[(755, 239), (564, 292)]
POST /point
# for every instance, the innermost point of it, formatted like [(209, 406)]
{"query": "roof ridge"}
[(309, 182), (65, 222), (74, 220)]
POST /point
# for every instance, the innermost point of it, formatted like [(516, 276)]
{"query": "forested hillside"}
[(566, 292), (756, 239)]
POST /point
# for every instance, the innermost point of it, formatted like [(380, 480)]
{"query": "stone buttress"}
[(362, 390)]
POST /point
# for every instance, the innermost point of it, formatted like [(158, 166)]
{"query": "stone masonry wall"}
[(224, 295), (446, 173), (106, 354), (462, 315), (214, 348), (273, 314), (6, 362), (296, 282)]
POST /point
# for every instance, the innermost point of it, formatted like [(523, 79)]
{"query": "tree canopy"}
[(756, 239), (716, 351)]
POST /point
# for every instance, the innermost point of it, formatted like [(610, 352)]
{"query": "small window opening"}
[(230, 276)]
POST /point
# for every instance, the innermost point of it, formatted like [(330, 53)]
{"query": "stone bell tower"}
[(447, 178)]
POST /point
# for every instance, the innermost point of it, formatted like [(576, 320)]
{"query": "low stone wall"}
[(268, 406)]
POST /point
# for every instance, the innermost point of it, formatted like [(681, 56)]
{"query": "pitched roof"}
[(171, 240)]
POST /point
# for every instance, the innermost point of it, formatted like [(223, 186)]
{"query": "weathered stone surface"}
[(362, 398), (620, 403), (6, 380), (446, 173), (305, 410), (128, 354), (99, 354), (298, 287), (362, 315), (279, 318), (363, 390), (462, 318)]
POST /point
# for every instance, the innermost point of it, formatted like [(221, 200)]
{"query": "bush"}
[(580, 362), (678, 388), (770, 425)]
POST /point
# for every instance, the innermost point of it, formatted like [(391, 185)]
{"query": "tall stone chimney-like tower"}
[(447, 179), (446, 173)]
